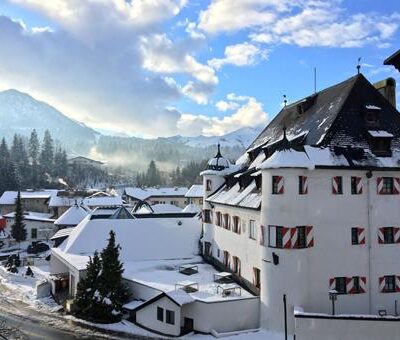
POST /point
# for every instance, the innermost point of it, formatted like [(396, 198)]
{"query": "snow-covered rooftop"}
[(287, 159), (159, 209), (33, 216), (145, 193), (249, 197), (140, 239), (62, 233), (380, 133), (196, 190), (73, 216), (9, 197), (191, 208), (92, 201), (164, 275)]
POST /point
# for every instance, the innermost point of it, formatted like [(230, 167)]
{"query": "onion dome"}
[(218, 162)]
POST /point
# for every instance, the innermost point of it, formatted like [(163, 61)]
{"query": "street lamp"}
[(333, 297)]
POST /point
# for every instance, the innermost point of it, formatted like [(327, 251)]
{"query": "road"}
[(20, 321)]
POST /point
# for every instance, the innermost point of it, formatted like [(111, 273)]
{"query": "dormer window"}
[(371, 115), (380, 142)]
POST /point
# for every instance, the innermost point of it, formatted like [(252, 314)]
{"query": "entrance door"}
[(188, 325)]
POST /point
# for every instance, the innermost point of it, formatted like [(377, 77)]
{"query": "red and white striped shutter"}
[(359, 186), (396, 232), (335, 185), (396, 182), (382, 284), (280, 185), (286, 238), (397, 284), (309, 236), (294, 238), (361, 235), (349, 285), (363, 284), (379, 185), (381, 238), (332, 283)]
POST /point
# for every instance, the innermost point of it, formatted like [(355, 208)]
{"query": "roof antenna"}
[(284, 100), (218, 155), (315, 80), (358, 65)]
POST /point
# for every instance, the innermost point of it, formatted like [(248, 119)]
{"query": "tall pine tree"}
[(33, 152), (18, 231), (47, 153), (112, 290), (86, 301)]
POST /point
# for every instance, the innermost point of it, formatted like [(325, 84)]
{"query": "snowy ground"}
[(22, 288)]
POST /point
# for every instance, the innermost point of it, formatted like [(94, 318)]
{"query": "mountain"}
[(20, 113), (241, 137)]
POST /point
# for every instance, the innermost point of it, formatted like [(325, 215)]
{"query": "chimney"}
[(387, 88)]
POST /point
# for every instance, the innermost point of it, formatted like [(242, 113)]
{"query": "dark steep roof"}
[(312, 115)]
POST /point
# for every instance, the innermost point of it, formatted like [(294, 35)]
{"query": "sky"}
[(154, 68)]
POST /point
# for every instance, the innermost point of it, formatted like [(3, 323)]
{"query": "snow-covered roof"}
[(227, 171), (380, 133), (191, 208), (164, 275), (9, 197), (62, 233), (287, 159), (372, 107), (140, 239), (159, 209), (73, 216), (196, 190), (93, 201), (33, 216), (249, 197), (145, 193)]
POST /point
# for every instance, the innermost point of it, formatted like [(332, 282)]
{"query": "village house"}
[(84, 161), (310, 212), (31, 201), (195, 195), (173, 195), (64, 199), (39, 226)]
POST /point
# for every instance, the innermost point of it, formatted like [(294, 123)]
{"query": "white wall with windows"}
[(344, 211), (236, 234)]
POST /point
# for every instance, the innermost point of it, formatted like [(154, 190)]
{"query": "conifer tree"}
[(33, 152), (85, 297), (112, 290), (47, 153), (18, 231)]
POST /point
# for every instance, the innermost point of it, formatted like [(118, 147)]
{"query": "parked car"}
[(37, 247)]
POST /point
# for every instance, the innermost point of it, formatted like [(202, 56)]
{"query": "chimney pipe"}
[(387, 88)]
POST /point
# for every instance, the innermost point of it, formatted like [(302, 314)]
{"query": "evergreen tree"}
[(112, 290), (18, 231), (60, 163), (153, 176), (47, 153), (86, 301), (33, 152)]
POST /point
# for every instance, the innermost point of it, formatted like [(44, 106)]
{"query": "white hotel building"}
[(313, 206)]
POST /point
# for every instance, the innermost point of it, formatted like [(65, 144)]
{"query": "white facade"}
[(304, 274)]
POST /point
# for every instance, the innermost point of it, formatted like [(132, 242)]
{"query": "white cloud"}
[(299, 22), (239, 55), (223, 106), (249, 113)]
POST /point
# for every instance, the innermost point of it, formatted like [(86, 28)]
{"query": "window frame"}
[(356, 285), (339, 185), (387, 188), (236, 224), (218, 219), (257, 277), (302, 188), (337, 285), (236, 264), (275, 183), (355, 239), (391, 239), (160, 314), (252, 230), (353, 184), (207, 216), (279, 240), (208, 184), (170, 317), (385, 288), (34, 233), (304, 238)]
